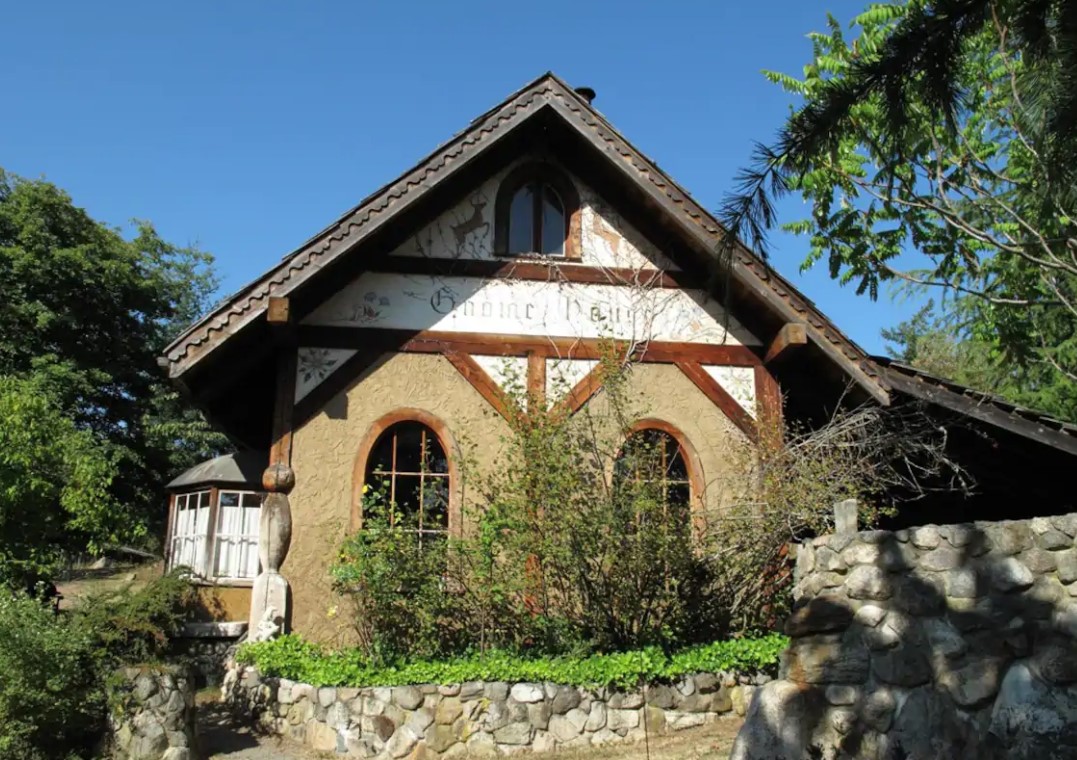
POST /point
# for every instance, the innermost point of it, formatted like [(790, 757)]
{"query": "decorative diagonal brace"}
[(720, 397), (484, 384)]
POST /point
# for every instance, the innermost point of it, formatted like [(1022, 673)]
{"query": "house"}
[(514, 249)]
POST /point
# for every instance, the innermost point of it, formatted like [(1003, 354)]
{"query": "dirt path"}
[(221, 740)]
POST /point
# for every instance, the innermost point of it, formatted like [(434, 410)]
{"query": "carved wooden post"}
[(270, 600)]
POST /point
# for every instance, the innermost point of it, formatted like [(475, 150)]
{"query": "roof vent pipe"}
[(586, 93)]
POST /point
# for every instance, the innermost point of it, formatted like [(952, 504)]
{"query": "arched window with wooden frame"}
[(657, 457), (537, 213), (405, 474)]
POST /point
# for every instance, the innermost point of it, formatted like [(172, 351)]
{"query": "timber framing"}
[(720, 397), (552, 103), (534, 270), (484, 384), (434, 342)]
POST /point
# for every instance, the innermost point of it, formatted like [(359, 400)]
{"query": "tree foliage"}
[(86, 313), (935, 127)]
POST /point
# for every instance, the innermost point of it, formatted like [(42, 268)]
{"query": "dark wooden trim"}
[(283, 408), (448, 443), (581, 392), (536, 381), (337, 381), (720, 398), (540, 172), (168, 530), (792, 335), (211, 531), (534, 269), (768, 405), (484, 384), (432, 342)]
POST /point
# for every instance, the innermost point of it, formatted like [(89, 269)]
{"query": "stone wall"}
[(941, 641), (478, 718), (153, 714)]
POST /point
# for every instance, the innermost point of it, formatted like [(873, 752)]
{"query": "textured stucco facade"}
[(325, 449)]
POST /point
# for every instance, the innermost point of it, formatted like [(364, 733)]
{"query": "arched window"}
[(406, 475), (534, 213), (657, 460)]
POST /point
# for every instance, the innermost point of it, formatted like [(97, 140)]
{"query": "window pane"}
[(434, 459), (377, 495), (251, 499), (435, 503), (553, 223), (409, 446), (676, 469), (521, 219), (407, 498), (229, 499), (381, 456)]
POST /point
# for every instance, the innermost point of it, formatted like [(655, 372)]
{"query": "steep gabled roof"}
[(548, 93)]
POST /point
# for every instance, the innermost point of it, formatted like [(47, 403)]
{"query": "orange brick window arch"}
[(409, 456), (682, 471)]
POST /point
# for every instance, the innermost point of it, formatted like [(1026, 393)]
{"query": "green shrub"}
[(52, 704), (55, 667), (293, 658)]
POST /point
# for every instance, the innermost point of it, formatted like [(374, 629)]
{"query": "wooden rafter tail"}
[(720, 397), (791, 336), (484, 384)]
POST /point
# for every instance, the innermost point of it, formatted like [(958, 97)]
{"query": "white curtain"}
[(236, 554)]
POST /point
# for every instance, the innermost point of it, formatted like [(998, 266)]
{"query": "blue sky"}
[(246, 127)]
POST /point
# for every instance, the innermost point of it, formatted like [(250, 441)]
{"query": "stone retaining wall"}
[(479, 718), (951, 641), (153, 714)]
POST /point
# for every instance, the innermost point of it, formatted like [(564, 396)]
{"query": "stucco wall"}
[(325, 449), (222, 603), (323, 457)]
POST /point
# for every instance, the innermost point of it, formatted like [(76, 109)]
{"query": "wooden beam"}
[(768, 405), (540, 271), (279, 310), (536, 381), (435, 342), (720, 398), (280, 451), (483, 383), (792, 335), (581, 392)]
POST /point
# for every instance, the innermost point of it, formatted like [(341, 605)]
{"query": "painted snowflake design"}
[(316, 364)]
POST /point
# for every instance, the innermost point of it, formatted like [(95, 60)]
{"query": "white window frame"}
[(200, 530), (235, 541)]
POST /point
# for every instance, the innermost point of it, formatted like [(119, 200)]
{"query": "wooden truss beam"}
[(720, 397)]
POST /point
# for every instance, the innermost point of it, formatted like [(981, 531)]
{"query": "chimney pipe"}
[(586, 93)]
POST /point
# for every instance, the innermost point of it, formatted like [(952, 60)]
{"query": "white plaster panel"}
[(738, 382), (466, 231), (562, 376), (524, 307), (509, 372), (313, 365)]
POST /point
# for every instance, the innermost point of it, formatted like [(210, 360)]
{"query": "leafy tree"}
[(54, 485), (85, 315), (964, 174)]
